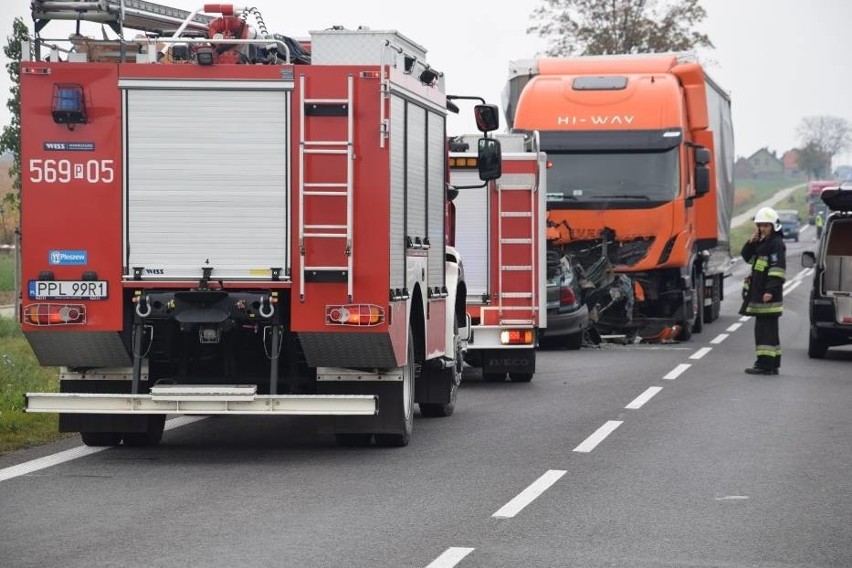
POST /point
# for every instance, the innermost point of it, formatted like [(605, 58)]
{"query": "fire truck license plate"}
[(67, 289)]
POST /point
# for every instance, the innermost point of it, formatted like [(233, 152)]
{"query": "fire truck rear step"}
[(204, 399)]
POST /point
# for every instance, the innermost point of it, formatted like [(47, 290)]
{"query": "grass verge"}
[(20, 373)]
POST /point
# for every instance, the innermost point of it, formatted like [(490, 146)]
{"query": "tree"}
[(814, 161), (828, 134), (601, 27), (10, 140)]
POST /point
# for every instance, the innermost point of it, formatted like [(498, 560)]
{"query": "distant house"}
[(766, 164), (790, 159), (743, 169)]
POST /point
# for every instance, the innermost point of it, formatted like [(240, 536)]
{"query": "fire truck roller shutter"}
[(207, 181), (397, 193), (415, 208), (436, 188), (472, 227)]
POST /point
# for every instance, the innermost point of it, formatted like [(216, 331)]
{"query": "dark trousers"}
[(767, 343)]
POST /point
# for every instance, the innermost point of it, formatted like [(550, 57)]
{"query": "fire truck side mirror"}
[(489, 159), (487, 117)]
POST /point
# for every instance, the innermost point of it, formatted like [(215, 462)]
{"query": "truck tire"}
[(816, 348), (698, 323), (493, 377), (406, 399), (453, 376), (150, 437), (711, 312), (353, 440), (521, 377), (100, 439)]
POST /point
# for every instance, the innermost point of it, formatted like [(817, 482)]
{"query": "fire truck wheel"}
[(520, 377), (400, 439), (150, 437), (493, 377), (453, 376), (353, 440), (101, 438)]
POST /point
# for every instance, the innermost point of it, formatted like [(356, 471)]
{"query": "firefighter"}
[(819, 221), (762, 289)]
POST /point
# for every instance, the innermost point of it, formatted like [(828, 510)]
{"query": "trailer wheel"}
[(99, 439), (400, 439), (454, 374), (150, 437)]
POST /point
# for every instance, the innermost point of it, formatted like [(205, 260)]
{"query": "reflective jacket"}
[(768, 272)]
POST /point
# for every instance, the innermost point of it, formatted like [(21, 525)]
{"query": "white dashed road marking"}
[(676, 372), (450, 557), (719, 338), (599, 436), (643, 398), (529, 494), (734, 327), (701, 353)]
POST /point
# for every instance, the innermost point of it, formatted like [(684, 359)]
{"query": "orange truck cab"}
[(640, 183)]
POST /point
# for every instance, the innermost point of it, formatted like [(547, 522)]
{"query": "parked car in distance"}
[(567, 315), (790, 223), (831, 294)]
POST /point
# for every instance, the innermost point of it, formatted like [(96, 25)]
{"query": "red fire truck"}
[(500, 234), (221, 221)]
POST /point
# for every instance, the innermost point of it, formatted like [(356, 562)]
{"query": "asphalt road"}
[(622, 455)]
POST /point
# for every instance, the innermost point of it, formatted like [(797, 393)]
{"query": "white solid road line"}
[(450, 557), (78, 452), (48, 461), (719, 338), (701, 353), (793, 286), (529, 494), (734, 327), (676, 372), (599, 436), (643, 398)]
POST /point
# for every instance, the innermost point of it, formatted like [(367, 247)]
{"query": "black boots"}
[(761, 371)]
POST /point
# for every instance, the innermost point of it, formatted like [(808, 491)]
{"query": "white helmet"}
[(768, 215)]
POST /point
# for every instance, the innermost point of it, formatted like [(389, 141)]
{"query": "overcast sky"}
[(781, 60)]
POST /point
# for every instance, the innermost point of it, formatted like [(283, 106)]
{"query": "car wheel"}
[(816, 348)]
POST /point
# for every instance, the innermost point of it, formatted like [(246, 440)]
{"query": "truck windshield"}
[(601, 176)]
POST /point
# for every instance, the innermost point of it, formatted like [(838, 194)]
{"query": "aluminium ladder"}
[(316, 195)]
